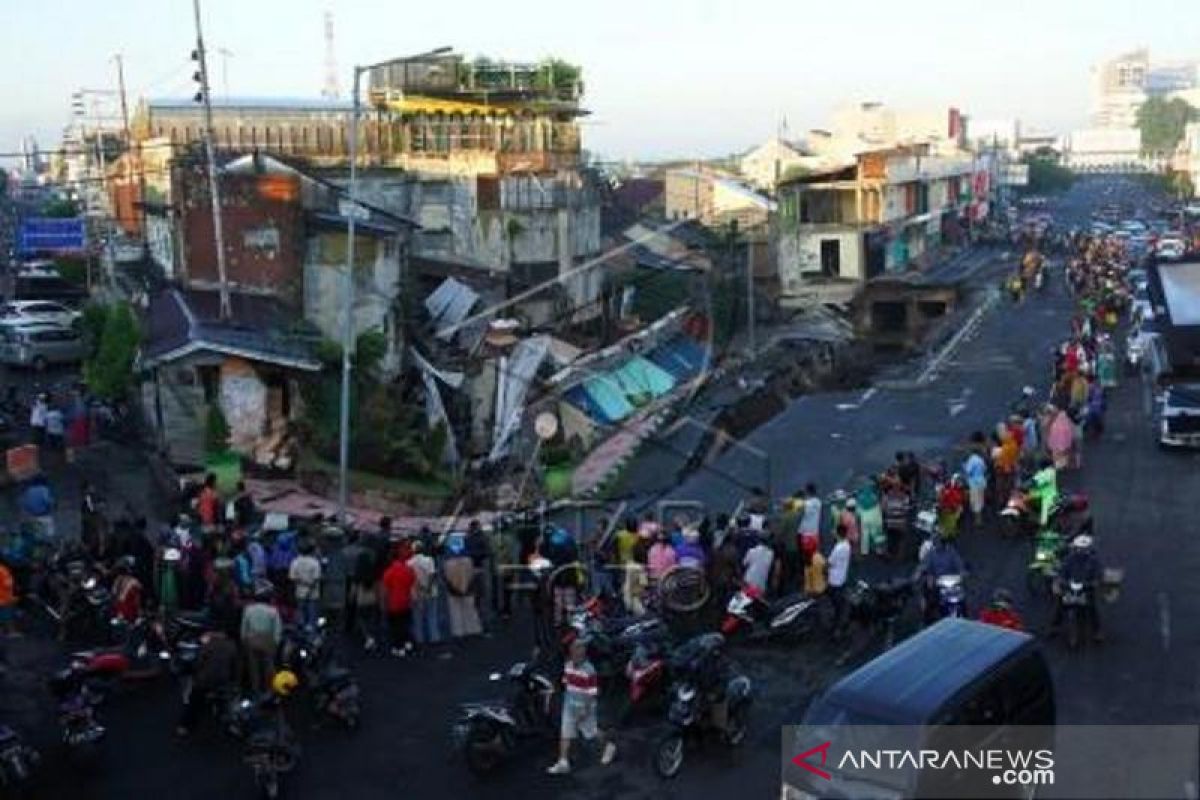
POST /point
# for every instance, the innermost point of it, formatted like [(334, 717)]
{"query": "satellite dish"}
[(546, 425)]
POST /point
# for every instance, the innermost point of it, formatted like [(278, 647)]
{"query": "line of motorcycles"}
[(74, 593), (693, 683)]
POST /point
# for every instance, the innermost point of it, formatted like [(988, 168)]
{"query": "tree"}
[(62, 208), (109, 374), (1046, 176), (1162, 124)]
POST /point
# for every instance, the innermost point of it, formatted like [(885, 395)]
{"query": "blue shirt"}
[(976, 471), (37, 501)]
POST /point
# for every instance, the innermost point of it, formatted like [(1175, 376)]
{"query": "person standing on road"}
[(305, 576), (839, 573), (757, 563), (261, 630), (581, 690), (37, 418), (208, 503), (398, 585), (810, 519), (459, 573), (426, 597), (56, 428), (976, 472), (480, 550)]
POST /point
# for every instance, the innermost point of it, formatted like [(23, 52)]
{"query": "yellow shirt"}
[(814, 575), (626, 541)]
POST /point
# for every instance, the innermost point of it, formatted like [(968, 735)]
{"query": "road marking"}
[(957, 408), (1189, 790), (847, 406), (867, 395), (1164, 620)]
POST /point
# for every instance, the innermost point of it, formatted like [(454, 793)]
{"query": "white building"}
[(1104, 150), (1122, 84), (763, 166)]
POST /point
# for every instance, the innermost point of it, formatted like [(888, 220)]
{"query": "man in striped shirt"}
[(581, 689)]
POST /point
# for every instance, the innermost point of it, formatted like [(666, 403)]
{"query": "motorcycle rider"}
[(1080, 565), (938, 557), (1001, 612), (1044, 486)]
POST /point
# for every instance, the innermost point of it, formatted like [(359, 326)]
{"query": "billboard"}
[(1014, 175), (50, 234)]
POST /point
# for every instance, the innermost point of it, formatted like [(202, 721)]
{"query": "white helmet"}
[(1082, 542)]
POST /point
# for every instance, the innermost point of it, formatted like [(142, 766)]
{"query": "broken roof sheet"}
[(449, 305)]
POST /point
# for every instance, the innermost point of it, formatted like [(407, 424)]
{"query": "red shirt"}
[(398, 582), (206, 506)]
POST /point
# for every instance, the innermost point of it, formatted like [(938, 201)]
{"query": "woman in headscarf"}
[(1106, 364), (1060, 438), (458, 570)]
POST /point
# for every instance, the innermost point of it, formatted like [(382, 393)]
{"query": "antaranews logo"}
[(1008, 767)]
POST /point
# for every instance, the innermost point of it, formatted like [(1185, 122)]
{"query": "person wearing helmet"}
[(284, 683), (1001, 612), (938, 557), (1080, 565)]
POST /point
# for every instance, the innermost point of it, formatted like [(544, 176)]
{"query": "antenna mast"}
[(330, 90)]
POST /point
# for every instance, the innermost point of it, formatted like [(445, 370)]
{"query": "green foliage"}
[(369, 351), (72, 269), (91, 325), (1047, 176), (1162, 124), (216, 430), (61, 208), (109, 373), (390, 437)]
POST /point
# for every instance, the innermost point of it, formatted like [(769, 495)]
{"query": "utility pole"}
[(213, 187), (129, 166)]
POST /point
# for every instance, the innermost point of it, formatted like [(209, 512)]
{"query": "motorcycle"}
[(951, 596), (1043, 569), (488, 733), (1075, 602), (879, 606), (646, 674), (789, 617), (271, 750), (611, 640), (142, 656), (82, 733), (17, 762), (333, 689), (708, 697)]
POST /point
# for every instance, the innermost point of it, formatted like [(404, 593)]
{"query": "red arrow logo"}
[(801, 760)]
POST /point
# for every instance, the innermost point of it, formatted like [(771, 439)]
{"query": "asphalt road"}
[(1144, 673)]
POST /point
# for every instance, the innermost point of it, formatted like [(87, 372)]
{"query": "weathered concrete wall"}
[(243, 400), (799, 254)]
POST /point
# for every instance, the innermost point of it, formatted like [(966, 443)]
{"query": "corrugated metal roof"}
[(450, 304)]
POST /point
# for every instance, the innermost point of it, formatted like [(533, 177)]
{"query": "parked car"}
[(27, 312), (1170, 248), (48, 287), (40, 345)]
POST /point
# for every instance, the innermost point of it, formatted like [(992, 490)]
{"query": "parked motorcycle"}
[(646, 674), (333, 689), (141, 656), (708, 698), (488, 733), (880, 606), (611, 640), (81, 732), (18, 761), (749, 612)]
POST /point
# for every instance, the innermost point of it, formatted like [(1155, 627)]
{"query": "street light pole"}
[(348, 307), (351, 215)]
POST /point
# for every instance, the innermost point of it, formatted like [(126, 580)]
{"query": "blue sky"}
[(672, 77)]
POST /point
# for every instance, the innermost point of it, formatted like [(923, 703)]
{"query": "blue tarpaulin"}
[(681, 356), (608, 395), (642, 380)]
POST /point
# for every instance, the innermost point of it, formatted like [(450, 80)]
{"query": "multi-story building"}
[(879, 125), (1120, 85), (485, 155), (882, 212), (714, 199)]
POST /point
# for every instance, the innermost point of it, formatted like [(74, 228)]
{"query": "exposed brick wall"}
[(263, 226)]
